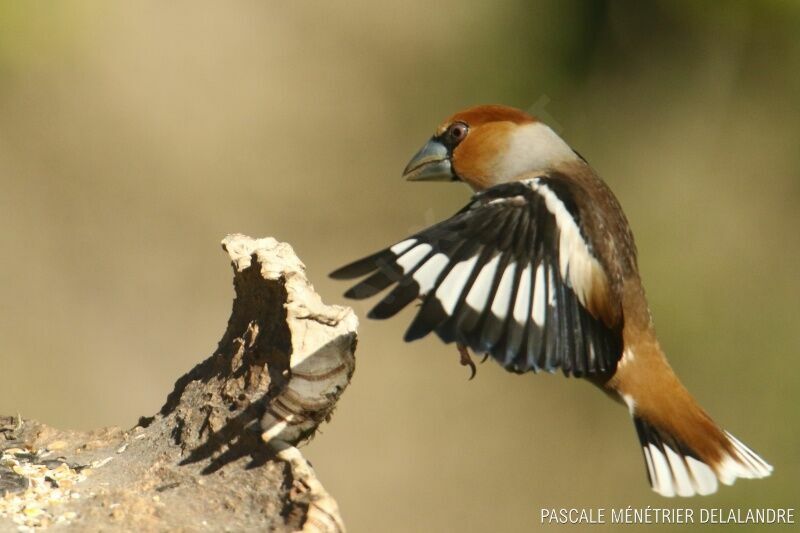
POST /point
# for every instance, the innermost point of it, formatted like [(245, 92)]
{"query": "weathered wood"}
[(220, 453)]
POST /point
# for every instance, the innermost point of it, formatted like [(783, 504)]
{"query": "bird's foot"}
[(466, 360)]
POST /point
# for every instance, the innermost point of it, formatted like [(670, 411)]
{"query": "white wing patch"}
[(578, 267), (428, 273), (523, 296), (551, 289), (479, 292), (537, 313), (411, 259), (451, 288), (502, 298), (402, 246)]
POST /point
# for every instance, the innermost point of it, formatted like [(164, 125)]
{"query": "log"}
[(221, 453)]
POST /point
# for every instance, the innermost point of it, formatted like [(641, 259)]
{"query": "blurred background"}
[(134, 136)]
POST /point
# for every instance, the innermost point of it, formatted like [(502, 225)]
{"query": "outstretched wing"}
[(510, 275)]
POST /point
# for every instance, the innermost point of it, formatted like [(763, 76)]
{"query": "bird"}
[(539, 272)]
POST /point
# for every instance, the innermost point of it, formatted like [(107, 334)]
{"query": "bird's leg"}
[(466, 360)]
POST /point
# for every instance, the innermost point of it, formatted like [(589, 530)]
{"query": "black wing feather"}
[(406, 291), (374, 284), (362, 267)]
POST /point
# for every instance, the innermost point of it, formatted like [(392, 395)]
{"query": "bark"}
[(220, 455)]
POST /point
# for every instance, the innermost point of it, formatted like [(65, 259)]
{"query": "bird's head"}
[(487, 145)]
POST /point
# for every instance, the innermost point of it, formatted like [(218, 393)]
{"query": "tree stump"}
[(220, 455)]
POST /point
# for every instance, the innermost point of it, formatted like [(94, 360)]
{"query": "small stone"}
[(32, 511), (15, 451), (53, 464), (57, 445)]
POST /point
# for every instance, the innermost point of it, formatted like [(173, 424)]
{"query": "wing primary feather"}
[(596, 344), (552, 319), (432, 313), (515, 329), (566, 339), (548, 331), (482, 336), (363, 266), (470, 319), (519, 320), (500, 313), (374, 284), (532, 342), (403, 294), (576, 334), (450, 329), (534, 333), (485, 333), (592, 365)]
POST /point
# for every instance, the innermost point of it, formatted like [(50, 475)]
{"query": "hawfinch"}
[(539, 272)]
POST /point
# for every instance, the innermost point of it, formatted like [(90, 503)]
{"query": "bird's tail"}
[(689, 457)]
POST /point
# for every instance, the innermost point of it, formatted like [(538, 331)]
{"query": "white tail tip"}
[(745, 463), (675, 470)]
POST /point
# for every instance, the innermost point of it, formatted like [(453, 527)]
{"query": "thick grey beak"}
[(431, 163)]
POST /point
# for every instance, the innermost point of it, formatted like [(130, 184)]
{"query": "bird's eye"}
[(457, 131)]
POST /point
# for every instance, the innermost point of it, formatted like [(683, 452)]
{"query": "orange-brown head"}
[(486, 145)]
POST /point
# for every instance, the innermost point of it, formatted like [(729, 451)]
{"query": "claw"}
[(466, 360)]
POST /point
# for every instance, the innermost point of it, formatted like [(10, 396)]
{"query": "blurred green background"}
[(134, 136)]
